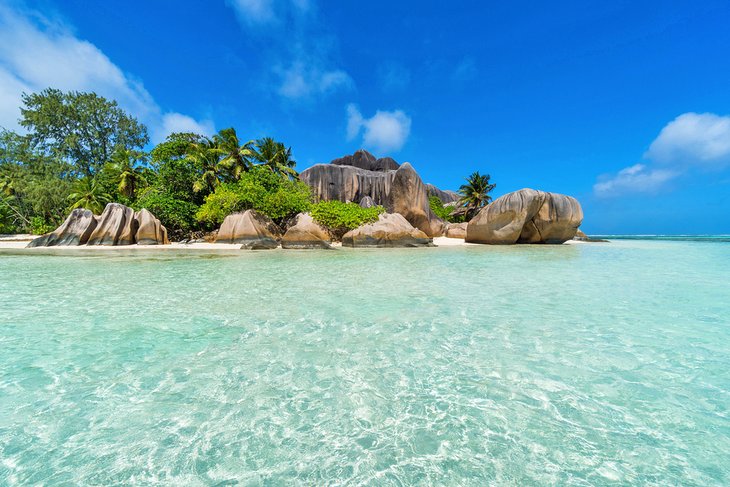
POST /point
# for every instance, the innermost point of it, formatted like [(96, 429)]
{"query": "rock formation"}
[(117, 225), (409, 197), (526, 216), (251, 229), (367, 202), (397, 188), (365, 160), (456, 230), (306, 234), (391, 230), (149, 229), (445, 196), (76, 230)]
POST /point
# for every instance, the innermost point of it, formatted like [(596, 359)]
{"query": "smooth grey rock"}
[(149, 229), (526, 216), (115, 226), (391, 230), (446, 196), (75, 230), (367, 202), (409, 197), (306, 234), (365, 160), (251, 229), (456, 230)]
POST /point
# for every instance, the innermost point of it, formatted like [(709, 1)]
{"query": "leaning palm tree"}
[(128, 164), (206, 157), (275, 156), (87, 193), (475, 193), (235, 157)]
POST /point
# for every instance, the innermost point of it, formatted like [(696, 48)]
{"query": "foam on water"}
[(596, 364)]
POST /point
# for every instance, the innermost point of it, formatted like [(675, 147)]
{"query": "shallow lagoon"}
[(575, 365)]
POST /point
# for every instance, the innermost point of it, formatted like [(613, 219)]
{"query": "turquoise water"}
[(595, 364)]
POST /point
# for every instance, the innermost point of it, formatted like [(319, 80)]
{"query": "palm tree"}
[(475, 193), (206, 157), (235, 156), (87, 193), (126, 162), (275, 156)]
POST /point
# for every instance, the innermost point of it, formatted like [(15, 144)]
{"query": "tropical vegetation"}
[(475, 194)]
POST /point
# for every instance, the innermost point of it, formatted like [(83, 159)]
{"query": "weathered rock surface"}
[(306, 234), (251, 229), (398, 188), (456, 230), (76, 230), (391, 230), (115, 226), (579, 235), (367, 202), (409, 197), (526, 216), (365, 160), (444, 196), (149, 229)]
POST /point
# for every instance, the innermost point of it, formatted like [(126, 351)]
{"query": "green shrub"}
[(341, 217), (271, 194), (39, 226), (177, 215), (442, 211), (7, 224)]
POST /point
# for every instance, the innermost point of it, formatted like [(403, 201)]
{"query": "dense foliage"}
[(83, 151), (341, 217), (258, 189)]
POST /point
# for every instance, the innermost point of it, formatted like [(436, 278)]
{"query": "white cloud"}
[(691, 140), (177, 122), (384, 131), (701, 139), (634, 179), (295, 50), (36, 54), (303, 81), (254, 11)]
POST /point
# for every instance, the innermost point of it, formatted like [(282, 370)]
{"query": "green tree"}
[(205, 156), (475, 193), (275, 156), (89, 194), (129, 167), (83, 128), (235, 157)]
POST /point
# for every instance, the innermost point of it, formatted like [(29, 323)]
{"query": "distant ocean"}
[(592, 364)]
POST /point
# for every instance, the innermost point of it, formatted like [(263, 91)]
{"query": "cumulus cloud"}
[(36, 53), (701, 139), (302, 81), (634, 179), (692, 140), (384, 132), (297, 52)]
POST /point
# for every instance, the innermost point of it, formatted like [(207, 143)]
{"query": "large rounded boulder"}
[(149, 229), (455, 230), (409, 197), (116, 226), (76, 230), (251, 229), (526, 216), (306, 234), (391, 230)]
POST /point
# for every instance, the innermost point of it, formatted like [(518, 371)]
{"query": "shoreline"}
[(19, 242)]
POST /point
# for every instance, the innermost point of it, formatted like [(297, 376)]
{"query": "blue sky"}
[(625, 105)]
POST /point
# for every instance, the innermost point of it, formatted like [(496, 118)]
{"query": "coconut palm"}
[(275, 156), (128, 164), (475, 193), (206, 157), (88, 193), (235, 157)]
